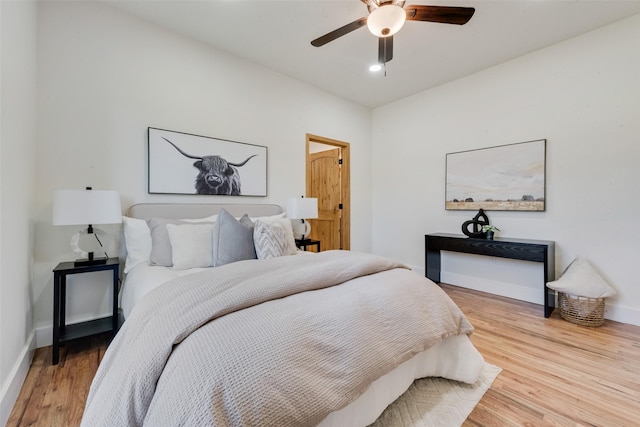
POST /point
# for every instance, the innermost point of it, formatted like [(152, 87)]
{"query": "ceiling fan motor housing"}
[(386, 20), (374, 4)]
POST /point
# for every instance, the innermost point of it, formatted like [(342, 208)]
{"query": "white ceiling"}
[(277, 35)]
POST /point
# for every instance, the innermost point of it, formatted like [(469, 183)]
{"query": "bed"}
[(289, 338)]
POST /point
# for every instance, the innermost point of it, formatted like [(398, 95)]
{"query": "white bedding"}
[(453, 358), (142, 279)]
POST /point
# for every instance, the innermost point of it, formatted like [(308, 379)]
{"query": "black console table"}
[(526, 250)]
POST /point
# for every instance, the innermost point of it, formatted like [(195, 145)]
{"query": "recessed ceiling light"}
[(375, 67)]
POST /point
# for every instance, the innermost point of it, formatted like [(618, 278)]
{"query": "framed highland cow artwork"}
[(182, 163), (503, 178)]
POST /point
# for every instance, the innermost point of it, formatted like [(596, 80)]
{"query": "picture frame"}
[(508, 177), (183, 163)]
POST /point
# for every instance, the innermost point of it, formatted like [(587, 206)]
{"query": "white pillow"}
[(191, 245), (212, 218), (268, 219), (274, 239), (137, 240), (580, 279)]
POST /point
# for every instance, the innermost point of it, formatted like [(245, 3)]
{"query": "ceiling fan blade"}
[(442, 14), (352, 26), (385, 49)]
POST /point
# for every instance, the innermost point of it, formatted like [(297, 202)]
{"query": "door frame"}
[(345, 182)]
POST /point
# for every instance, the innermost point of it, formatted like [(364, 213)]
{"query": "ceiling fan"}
[(386, 17)]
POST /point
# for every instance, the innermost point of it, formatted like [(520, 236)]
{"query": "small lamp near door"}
[(302, 208), (87, 207)]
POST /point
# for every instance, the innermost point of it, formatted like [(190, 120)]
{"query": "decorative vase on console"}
[(477, 223), (489, 231)]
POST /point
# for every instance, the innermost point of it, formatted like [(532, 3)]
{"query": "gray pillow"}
[(161, 253), (232, 239)]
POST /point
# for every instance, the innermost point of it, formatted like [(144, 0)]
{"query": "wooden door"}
[(325, 185), (328, 180)]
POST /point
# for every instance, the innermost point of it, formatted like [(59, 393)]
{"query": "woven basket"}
[(581, 310)]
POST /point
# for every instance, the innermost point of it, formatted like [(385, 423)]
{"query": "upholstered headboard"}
[(198, 210)]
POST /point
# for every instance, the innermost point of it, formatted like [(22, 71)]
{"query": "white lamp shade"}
[(73, 207), (386, 20), (302, 208)]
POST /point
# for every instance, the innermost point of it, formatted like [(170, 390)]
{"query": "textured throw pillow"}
[(580, 279), (274, 239), (232, 239), (137, 241), (191, 245)]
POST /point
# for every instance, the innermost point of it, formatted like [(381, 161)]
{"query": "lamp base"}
[(85, 262), (301, 230)]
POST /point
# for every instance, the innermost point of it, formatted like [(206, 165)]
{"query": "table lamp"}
[(75, 207), (302, 208)]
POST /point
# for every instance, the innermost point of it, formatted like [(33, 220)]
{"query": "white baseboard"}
[(613, 312), (509, 290), (11, 388), (44, 336), (622, 314)]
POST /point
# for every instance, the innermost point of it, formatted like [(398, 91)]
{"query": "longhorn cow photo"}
[(217, 174)]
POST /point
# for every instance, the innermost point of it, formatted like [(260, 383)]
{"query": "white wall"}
[(104, 77), (17, 184), (583, 97)]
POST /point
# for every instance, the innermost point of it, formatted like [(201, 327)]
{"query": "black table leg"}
[(56, 319)]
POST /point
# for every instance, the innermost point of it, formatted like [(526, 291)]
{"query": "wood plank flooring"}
[(554, 373), (54, 395)]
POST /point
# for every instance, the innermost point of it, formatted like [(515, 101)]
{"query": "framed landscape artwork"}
[(503, 178), (181, 163)]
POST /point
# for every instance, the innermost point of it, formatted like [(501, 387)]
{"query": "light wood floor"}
[(554, 372)]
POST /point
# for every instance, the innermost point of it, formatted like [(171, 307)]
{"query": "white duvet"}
[(125, 392), (144, 277)]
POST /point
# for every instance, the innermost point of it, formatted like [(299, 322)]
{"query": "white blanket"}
[(267, 342)]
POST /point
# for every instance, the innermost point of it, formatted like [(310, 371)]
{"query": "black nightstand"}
[(62, 332), (302, 244)]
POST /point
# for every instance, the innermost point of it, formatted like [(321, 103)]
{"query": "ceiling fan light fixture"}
[(386, 20), (375, 68)]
